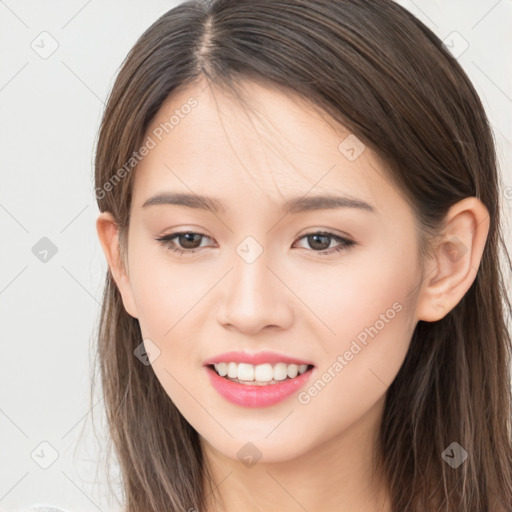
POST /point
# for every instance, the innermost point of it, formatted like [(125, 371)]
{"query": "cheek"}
[(172, 300), (351, 296), (369, 309), (166, 292), (358, 369)]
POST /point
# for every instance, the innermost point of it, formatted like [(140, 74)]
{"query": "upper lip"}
[(254, 358)]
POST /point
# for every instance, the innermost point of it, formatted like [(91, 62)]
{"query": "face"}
[(330, 284)]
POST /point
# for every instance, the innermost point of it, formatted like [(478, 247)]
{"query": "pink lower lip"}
[(256, 396)]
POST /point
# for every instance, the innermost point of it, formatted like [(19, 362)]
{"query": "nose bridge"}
[(251, 277), (254, 297)]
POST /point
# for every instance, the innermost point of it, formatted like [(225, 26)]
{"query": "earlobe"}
[(457, 254), (108, 234)]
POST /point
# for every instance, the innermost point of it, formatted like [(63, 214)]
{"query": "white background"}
[(50, 114)]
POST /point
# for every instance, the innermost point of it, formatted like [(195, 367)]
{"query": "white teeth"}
[(293, 369), (222, 369), (280, 371), (262, 372), (232, 370), (245, 371)]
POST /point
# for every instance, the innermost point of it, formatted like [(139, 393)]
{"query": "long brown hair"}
[(377, 70)]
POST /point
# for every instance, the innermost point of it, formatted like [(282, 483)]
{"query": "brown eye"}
[(320, 242), (188, 241)]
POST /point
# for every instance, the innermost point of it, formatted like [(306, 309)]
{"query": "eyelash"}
[(345, 243)]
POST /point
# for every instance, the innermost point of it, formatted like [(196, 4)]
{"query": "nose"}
[(255, 296)]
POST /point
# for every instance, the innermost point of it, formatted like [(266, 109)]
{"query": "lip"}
[(255, 358), (247, 395)]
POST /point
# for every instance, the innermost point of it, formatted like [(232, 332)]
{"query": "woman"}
[(304, 308)]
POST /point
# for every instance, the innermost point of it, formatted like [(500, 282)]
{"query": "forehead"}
[(207, 142)]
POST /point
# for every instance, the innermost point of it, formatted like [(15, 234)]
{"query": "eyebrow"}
[(293, 205)]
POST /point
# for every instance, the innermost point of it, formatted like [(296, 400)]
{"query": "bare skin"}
[(315, 449)]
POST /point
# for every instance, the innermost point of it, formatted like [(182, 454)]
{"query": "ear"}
[(108, 234), (449, 274)]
